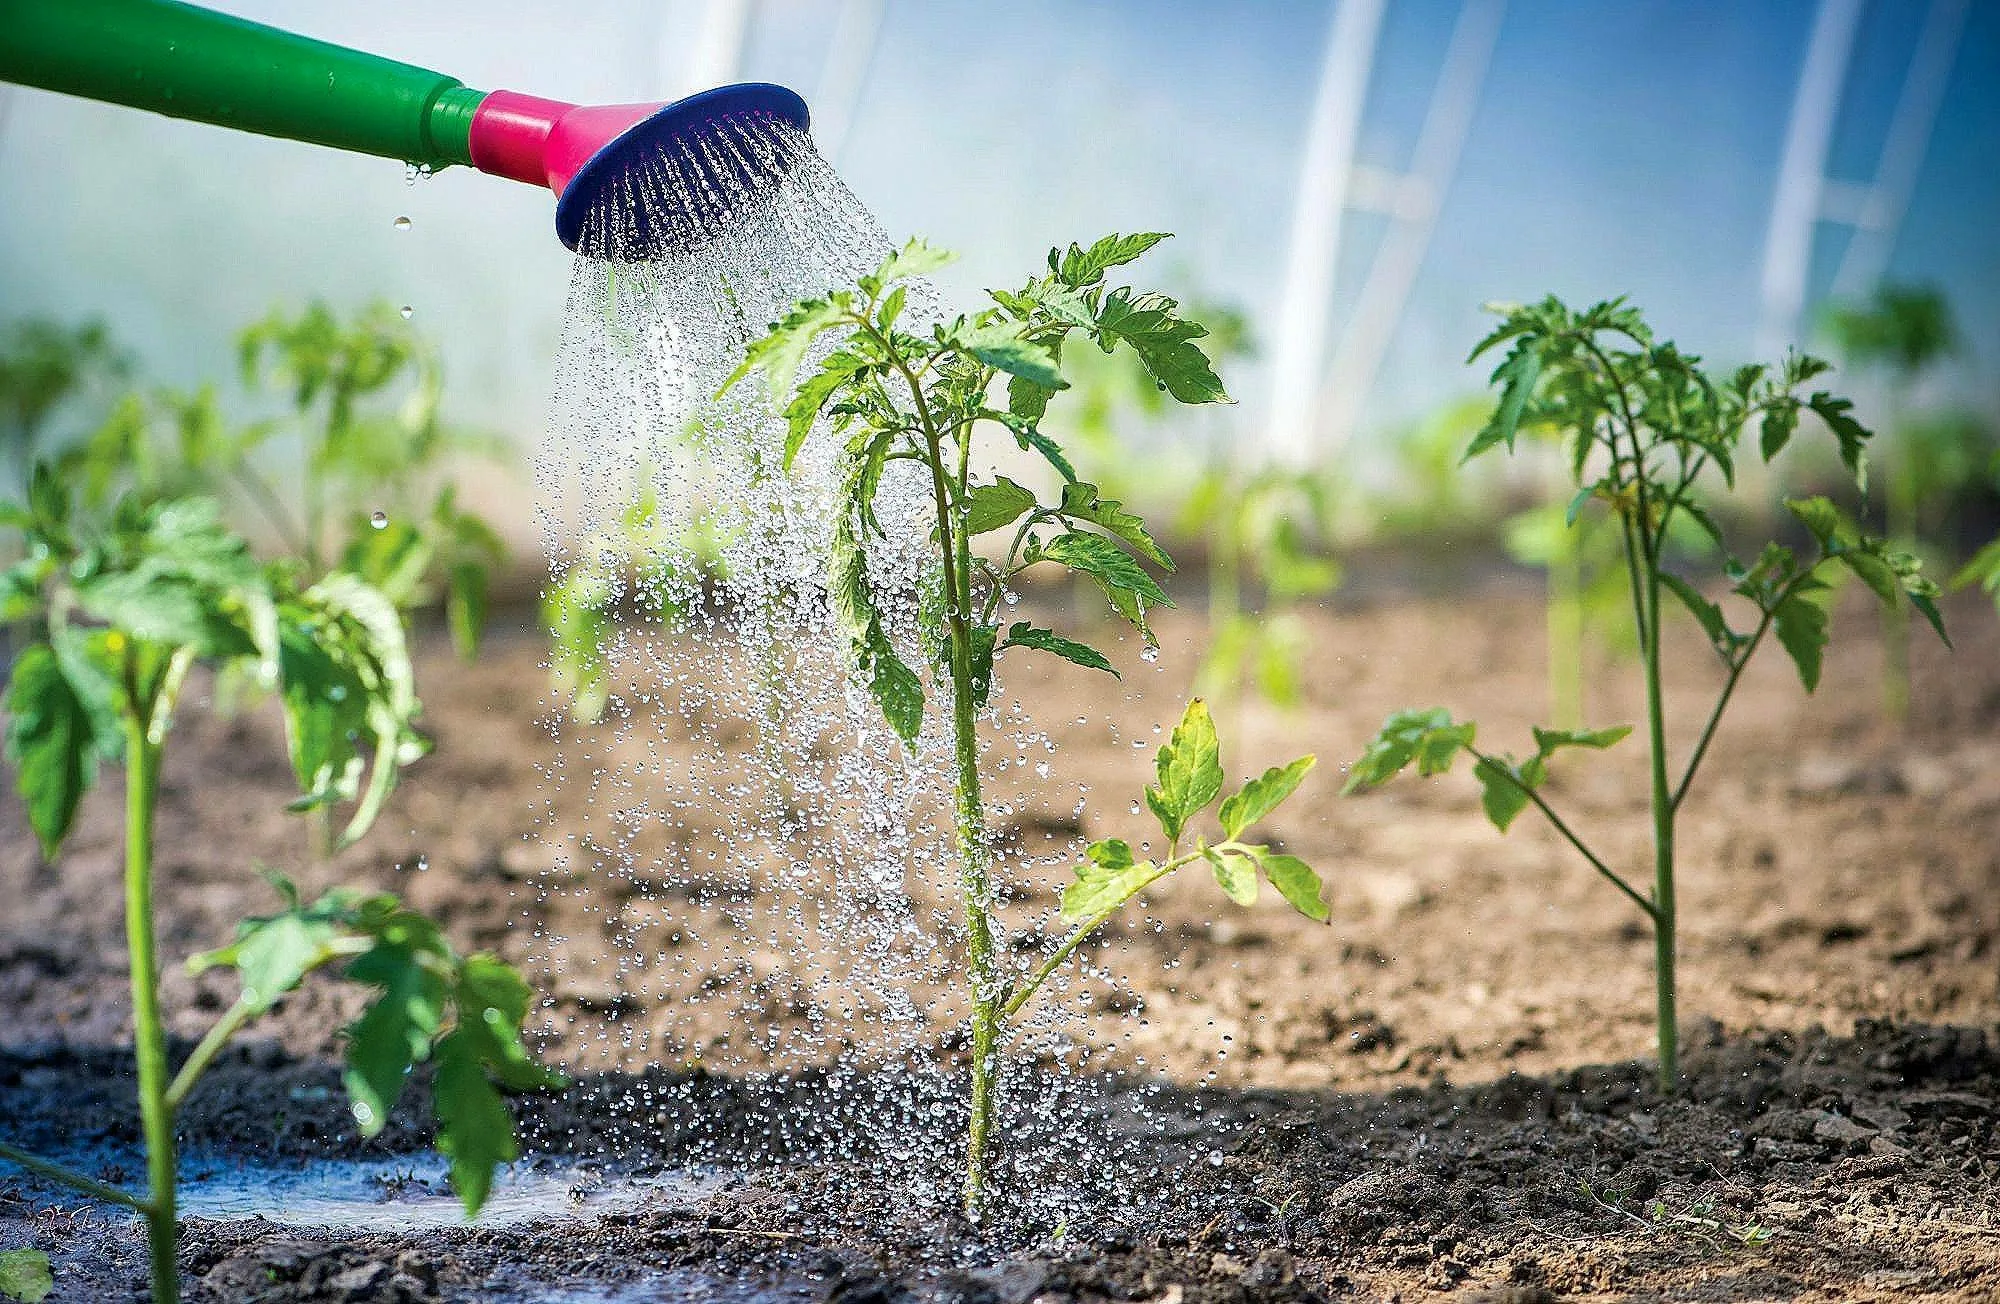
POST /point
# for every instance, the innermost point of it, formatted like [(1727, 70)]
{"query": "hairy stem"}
[(69, 1177), (156, 1115)]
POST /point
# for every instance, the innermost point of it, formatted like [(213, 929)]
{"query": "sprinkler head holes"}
[(678, 178)]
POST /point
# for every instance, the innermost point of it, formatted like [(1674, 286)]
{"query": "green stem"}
[(218, 1036), (974, 848), (156, 1115), (1556, 821), (1663, 841), (1026, 991), (69, 1177)]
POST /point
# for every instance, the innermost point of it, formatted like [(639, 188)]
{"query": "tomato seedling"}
[(126, 604), (891, 395), (1643, 427)]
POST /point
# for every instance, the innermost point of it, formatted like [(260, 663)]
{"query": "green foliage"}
[(361, 441), (25, 1276), (1645, 432), (847, 367), (131, 597), (1189, 768), (1904, 328), (45, 369), (463, 1013)]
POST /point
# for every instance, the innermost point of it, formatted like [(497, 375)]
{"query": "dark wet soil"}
[(1400, 1114), (1790, 1166)]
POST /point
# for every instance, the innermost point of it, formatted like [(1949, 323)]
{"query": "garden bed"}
[(1394, 1103)]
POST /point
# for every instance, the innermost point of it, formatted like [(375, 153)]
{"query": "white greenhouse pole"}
[(713, 55), (1307, 303), (1392, 275), (1867, 255), (1795, 207)]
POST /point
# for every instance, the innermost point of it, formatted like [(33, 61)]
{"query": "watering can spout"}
[(188, 62)]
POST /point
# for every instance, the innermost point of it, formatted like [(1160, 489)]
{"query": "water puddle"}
[(412, 1193)]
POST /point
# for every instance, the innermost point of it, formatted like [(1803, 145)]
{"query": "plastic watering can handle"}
[(193, 63)]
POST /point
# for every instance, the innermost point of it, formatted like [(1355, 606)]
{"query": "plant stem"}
[(1569, 835), (1026, 991), (974, 848), (56, 1172), (1663, 839), (156, 1115), (218, 1036)]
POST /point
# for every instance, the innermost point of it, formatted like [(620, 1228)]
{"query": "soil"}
[(1443, 1091)]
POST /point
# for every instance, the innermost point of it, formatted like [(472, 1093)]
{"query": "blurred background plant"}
[(1935, 463)]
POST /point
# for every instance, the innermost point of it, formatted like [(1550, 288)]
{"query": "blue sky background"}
[(1621, 146)]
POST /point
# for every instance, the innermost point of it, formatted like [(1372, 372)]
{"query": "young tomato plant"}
[(1644, 427), (1268, 531), (127, 604), (890, 394)]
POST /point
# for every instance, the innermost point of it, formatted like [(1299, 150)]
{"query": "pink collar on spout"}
[(545, 142)]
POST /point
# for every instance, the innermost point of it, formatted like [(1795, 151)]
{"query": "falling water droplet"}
[(380, 520), (406, 310), (403, 223)]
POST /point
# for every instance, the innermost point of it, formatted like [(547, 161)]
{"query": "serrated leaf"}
[(1850, 434), (1081, 267), (1235, 873), (1082, 502), (1001, 347), (781, 352), (273, 954), (1164, 343), (1126, 585), (1829, 526), (1026, 399), (1189, 767), (1427, 737), (1262, 795), (1022, 634), (1516, 377), (1801, 626), (915, 258), (993, 506), (1298, 883), (1781, 419), (835, 374)]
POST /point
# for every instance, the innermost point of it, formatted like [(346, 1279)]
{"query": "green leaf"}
[(1081, 267), (1850, 434), (1002, 347), (395, 1031), (25, 1276), (1164, 343), (1235, 873), (1550, 741), (780, 353), (1503, 792), (835, 374), (1106, 879), (1022, 634), (1297, 883), (1262, 795), (1427, 737), (1081, 501), (274, 953), (465, 606), (1516, 377), (1829, 526), (1189, 769), (1026, 399), (1781, 420), (1129, 588), (475, 1132), (1713, 623), (1801, 625), (53, 742), (914, 259), (990, 507)]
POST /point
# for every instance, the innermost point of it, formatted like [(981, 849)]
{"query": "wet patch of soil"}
[(1794, 1166)]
